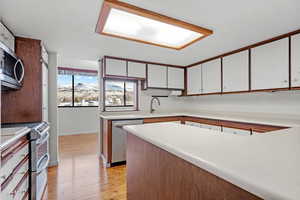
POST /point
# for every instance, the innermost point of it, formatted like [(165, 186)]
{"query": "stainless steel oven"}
[(39, 142)]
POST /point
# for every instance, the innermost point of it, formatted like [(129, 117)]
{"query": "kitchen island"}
[(175, 161)]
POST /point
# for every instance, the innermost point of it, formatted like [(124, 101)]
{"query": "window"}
[(77, 88), (120, 95)]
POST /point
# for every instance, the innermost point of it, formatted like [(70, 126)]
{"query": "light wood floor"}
[(81, 175)]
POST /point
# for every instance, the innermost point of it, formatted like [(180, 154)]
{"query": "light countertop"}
[(266, 165), (268, 119), (9, 135)]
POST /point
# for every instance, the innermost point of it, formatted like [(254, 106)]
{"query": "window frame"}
[(73, 97), (135, 106)]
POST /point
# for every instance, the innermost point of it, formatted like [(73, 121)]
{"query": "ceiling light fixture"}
[(122, 20)]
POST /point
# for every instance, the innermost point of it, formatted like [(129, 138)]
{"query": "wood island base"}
[(155, 174)]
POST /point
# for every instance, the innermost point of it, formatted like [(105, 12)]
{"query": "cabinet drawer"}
[(15, 158), (21, 192), (236, 131), (21, 154)]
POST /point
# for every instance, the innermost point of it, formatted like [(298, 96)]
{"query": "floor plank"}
[(81, 175)]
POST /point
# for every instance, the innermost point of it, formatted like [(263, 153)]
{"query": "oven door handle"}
[(43, 163), (44, 140)]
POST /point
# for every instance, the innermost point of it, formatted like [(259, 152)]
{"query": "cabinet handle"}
[(295, 80), (285, 81), (3, 177)]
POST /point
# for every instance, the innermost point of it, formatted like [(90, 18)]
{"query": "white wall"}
[(78, 120), (53, 117), (285, 103)]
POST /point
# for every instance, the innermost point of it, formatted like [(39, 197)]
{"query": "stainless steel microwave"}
[(11, 69)]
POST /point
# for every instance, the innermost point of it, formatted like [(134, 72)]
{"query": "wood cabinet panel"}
[(295, 60), (194, 80), (236, 72), (203, 121), (153, 173), (25, 105), (175, 78), (157, 76), (107, 140), (162, 119), (270, 65), (211, 76)]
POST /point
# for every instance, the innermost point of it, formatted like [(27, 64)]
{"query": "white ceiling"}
[(67, 26)]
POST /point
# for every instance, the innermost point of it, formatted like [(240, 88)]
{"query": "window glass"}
[(64, 90), (120, 95), (130, 93), (86, 90), (114, 93)]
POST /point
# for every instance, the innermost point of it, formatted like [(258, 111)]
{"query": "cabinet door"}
[(45, 93), (236, 72), (157, 76), (115, 67), (7, 38), (236, 131), (295, 58), (175, 78), (270, 65), (194, 80), (211, 76), (136, 70)]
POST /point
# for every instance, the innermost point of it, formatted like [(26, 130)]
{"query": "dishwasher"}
[(119, 139)]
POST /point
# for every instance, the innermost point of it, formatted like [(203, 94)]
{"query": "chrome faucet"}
[(151, 104)]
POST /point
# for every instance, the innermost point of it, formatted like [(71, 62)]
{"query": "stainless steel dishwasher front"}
[(119, 139)]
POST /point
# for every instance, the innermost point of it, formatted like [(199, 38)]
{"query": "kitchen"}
[(153, 100)]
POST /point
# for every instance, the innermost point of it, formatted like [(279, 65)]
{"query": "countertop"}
[(258, 118), (266, 165), (9, 135)]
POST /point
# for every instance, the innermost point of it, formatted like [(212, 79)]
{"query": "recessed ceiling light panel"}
[(122, 20)]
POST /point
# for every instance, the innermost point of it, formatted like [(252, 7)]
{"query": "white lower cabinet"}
[(295, 60), (194, 80), (205, 126), (270, 65), (14, 173), (211, 76), (236, 131)]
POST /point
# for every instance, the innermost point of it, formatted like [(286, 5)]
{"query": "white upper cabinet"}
[(115, 67), (175, 78), (295, 60), (7, 38), (270, 65), (236, 72), (136, 70), (194, 80), (211, 76), (157, 76)]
